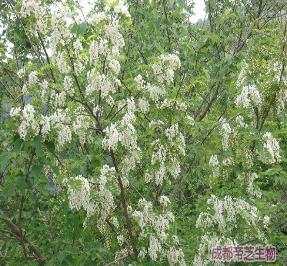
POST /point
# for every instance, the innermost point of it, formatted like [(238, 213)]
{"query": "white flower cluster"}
[(240, 121), (143, 105), (109, 44), (59, 60), (159, 157), (102, 203), (21, 72), (227, 161), (249, 95), (68, 85), (271, 146), (39, 11), (266, 221), (154, 91), (164, 69), (98, 17), (164, 200), (64, 135), (281, 100), (105, 199), (28, 7), (175, 256), (64, 123), (154, 227), (166, 157), (173, 104), (110, 142), (81, 124), (25, 90), (28, 121), (226, 131), (33, 78), (119, 6), (214, 165), (114, 66), (251, 177), (60, 33), (58, 99), (207, 243), (130, 160), (79, 194), (44, 85), (98, 48), (113, 34), (58, 121), (33, 7), (99, 83), (226, 213), (124, 132), (176, 139)]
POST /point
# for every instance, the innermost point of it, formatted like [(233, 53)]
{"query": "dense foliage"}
[(131, 135)]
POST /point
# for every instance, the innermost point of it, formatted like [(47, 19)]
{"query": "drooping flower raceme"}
[(164, 69), (27, 118), (214, 164), (249, 96), (271, 146), (79, 194), (226, 132), (154, 228), (226, 215)]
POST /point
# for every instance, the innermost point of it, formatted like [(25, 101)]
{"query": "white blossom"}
[(250, 188), (272, 147), (164, 69), (45, 125), (77, 46), (59, 59), (266, 221), (240, 121), (154, 248), (28, 121), (15, 111), (111, 139), (64, 135), (29, 6), (249, 95), (227, 161), (99, 82), (226, 132), (114, 66), (120, 239), (68, 85), (174, 167), (79, 192), (214, 164), (98, 48), (25, 90), (164, 200), (122, 8), (113, 34), (175, 256), (143, 105), (33, 78), (21, 72)]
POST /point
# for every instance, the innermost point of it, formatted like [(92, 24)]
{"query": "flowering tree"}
[(130, 135)]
